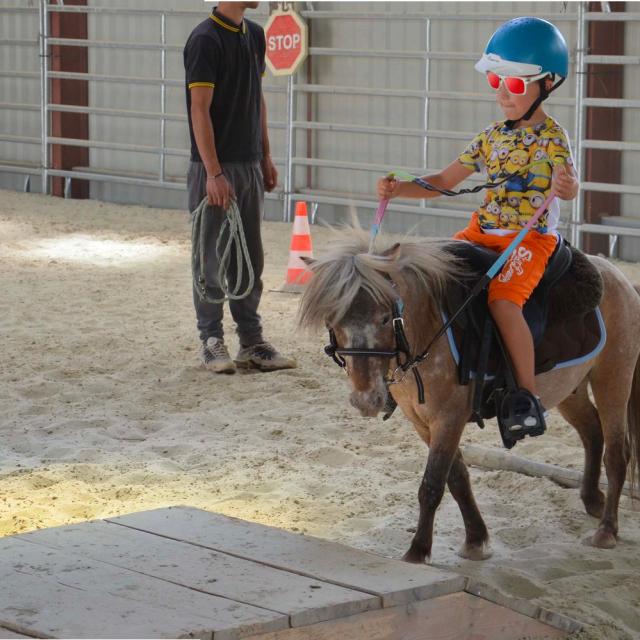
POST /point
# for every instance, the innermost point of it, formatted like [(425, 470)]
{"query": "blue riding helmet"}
[(525, 47)]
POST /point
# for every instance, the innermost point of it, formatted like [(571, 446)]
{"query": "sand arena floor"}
[(105, 410)]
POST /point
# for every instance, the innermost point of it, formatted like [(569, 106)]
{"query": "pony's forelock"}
[(348, 268)]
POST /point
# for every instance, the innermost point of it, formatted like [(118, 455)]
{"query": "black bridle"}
[(402, 352), (402, 344)]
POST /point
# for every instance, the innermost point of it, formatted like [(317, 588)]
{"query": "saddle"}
[(562, 314)]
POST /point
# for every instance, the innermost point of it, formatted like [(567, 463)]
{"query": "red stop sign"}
[(286, 36)]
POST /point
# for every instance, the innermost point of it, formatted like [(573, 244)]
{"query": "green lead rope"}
[(233, 229)]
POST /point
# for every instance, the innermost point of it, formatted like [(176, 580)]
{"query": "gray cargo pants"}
[(246, 180)]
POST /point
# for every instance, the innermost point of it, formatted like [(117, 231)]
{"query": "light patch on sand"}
[(89, 250)]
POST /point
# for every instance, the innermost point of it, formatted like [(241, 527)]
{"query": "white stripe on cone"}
[(301, 226)]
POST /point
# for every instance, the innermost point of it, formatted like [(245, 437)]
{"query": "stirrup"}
[(519, 414)]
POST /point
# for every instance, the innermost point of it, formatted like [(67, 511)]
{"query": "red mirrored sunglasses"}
[(515, 85)]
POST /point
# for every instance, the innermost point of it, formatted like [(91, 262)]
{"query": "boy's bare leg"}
[(518, 340)]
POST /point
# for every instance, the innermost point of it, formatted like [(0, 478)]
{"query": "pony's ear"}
[(307, 260), (392, 252)]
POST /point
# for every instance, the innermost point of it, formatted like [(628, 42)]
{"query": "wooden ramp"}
[(184, 572)]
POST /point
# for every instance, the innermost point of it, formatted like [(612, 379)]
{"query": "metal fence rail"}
[(289, 160)]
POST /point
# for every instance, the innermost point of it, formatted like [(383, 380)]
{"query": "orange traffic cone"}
[(297, 273)]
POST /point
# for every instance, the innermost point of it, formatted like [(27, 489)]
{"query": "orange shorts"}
[(523, 270)]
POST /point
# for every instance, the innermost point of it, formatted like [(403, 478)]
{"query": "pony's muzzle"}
[(368, 403)]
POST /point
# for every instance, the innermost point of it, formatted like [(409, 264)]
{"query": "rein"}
[(382, 207), (402, 344)]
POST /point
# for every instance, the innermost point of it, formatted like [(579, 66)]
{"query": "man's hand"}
[(269, 174), (219, 191), (563, 182), (388, 188)]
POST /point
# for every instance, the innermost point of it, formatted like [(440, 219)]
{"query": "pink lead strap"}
[(375, 227)]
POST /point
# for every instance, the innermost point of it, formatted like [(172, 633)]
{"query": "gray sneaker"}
[(263, 356), (215, 357)]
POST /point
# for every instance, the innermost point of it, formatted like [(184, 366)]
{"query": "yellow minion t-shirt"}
[(499, 151)]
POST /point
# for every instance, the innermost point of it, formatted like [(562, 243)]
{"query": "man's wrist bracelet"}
[(216, 176)]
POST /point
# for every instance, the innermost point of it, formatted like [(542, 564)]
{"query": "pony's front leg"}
[(476, 544), (442, 450)]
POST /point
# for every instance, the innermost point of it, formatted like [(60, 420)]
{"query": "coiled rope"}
[(233, 229)]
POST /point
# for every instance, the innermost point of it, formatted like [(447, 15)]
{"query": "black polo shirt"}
[(229, 58)]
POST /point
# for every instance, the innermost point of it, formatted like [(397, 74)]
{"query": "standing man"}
[(230, 159)]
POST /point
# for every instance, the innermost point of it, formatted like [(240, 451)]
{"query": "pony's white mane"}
[(349, 268)]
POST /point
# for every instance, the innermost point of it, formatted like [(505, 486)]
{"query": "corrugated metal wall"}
[(630, 204), (144, 97), (21, 123), (448, 35), (461, 36)]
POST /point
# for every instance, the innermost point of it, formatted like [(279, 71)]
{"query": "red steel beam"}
[(69, 92)]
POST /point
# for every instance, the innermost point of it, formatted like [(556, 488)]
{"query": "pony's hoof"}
[(480, 551), (604, 539), (416, 557)]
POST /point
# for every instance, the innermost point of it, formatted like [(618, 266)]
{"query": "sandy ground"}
[(105, 410)]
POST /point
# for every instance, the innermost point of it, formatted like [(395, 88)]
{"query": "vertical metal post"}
[(425, 110), (613, 242), (289, 169), (163, 95), (44, 94), (577, 206)]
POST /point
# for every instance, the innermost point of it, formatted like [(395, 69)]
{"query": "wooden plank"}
[(457, 616), (57, 595), (303, 600), (526, 607), (394, 581), (560, 621), (49, 609), (485, 591), (7, 634)]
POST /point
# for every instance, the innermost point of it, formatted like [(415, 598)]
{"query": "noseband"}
[(402, 352)]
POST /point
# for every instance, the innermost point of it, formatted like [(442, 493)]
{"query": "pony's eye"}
[(386, 319)]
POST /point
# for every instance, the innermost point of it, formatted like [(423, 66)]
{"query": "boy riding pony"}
[(524, 61)]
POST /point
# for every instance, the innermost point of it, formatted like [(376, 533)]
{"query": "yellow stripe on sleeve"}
[(202, 84)]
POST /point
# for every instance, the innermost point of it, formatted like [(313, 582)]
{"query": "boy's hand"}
[(388, 188), (563, 182)]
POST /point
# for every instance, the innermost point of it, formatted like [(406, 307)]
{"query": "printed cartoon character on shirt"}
[(490, 215), (539, 154), (516, 161), (498, 157), (529, 139), (539, 176), (514, 198)]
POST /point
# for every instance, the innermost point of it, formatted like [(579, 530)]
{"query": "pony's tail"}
[(633, 426)]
